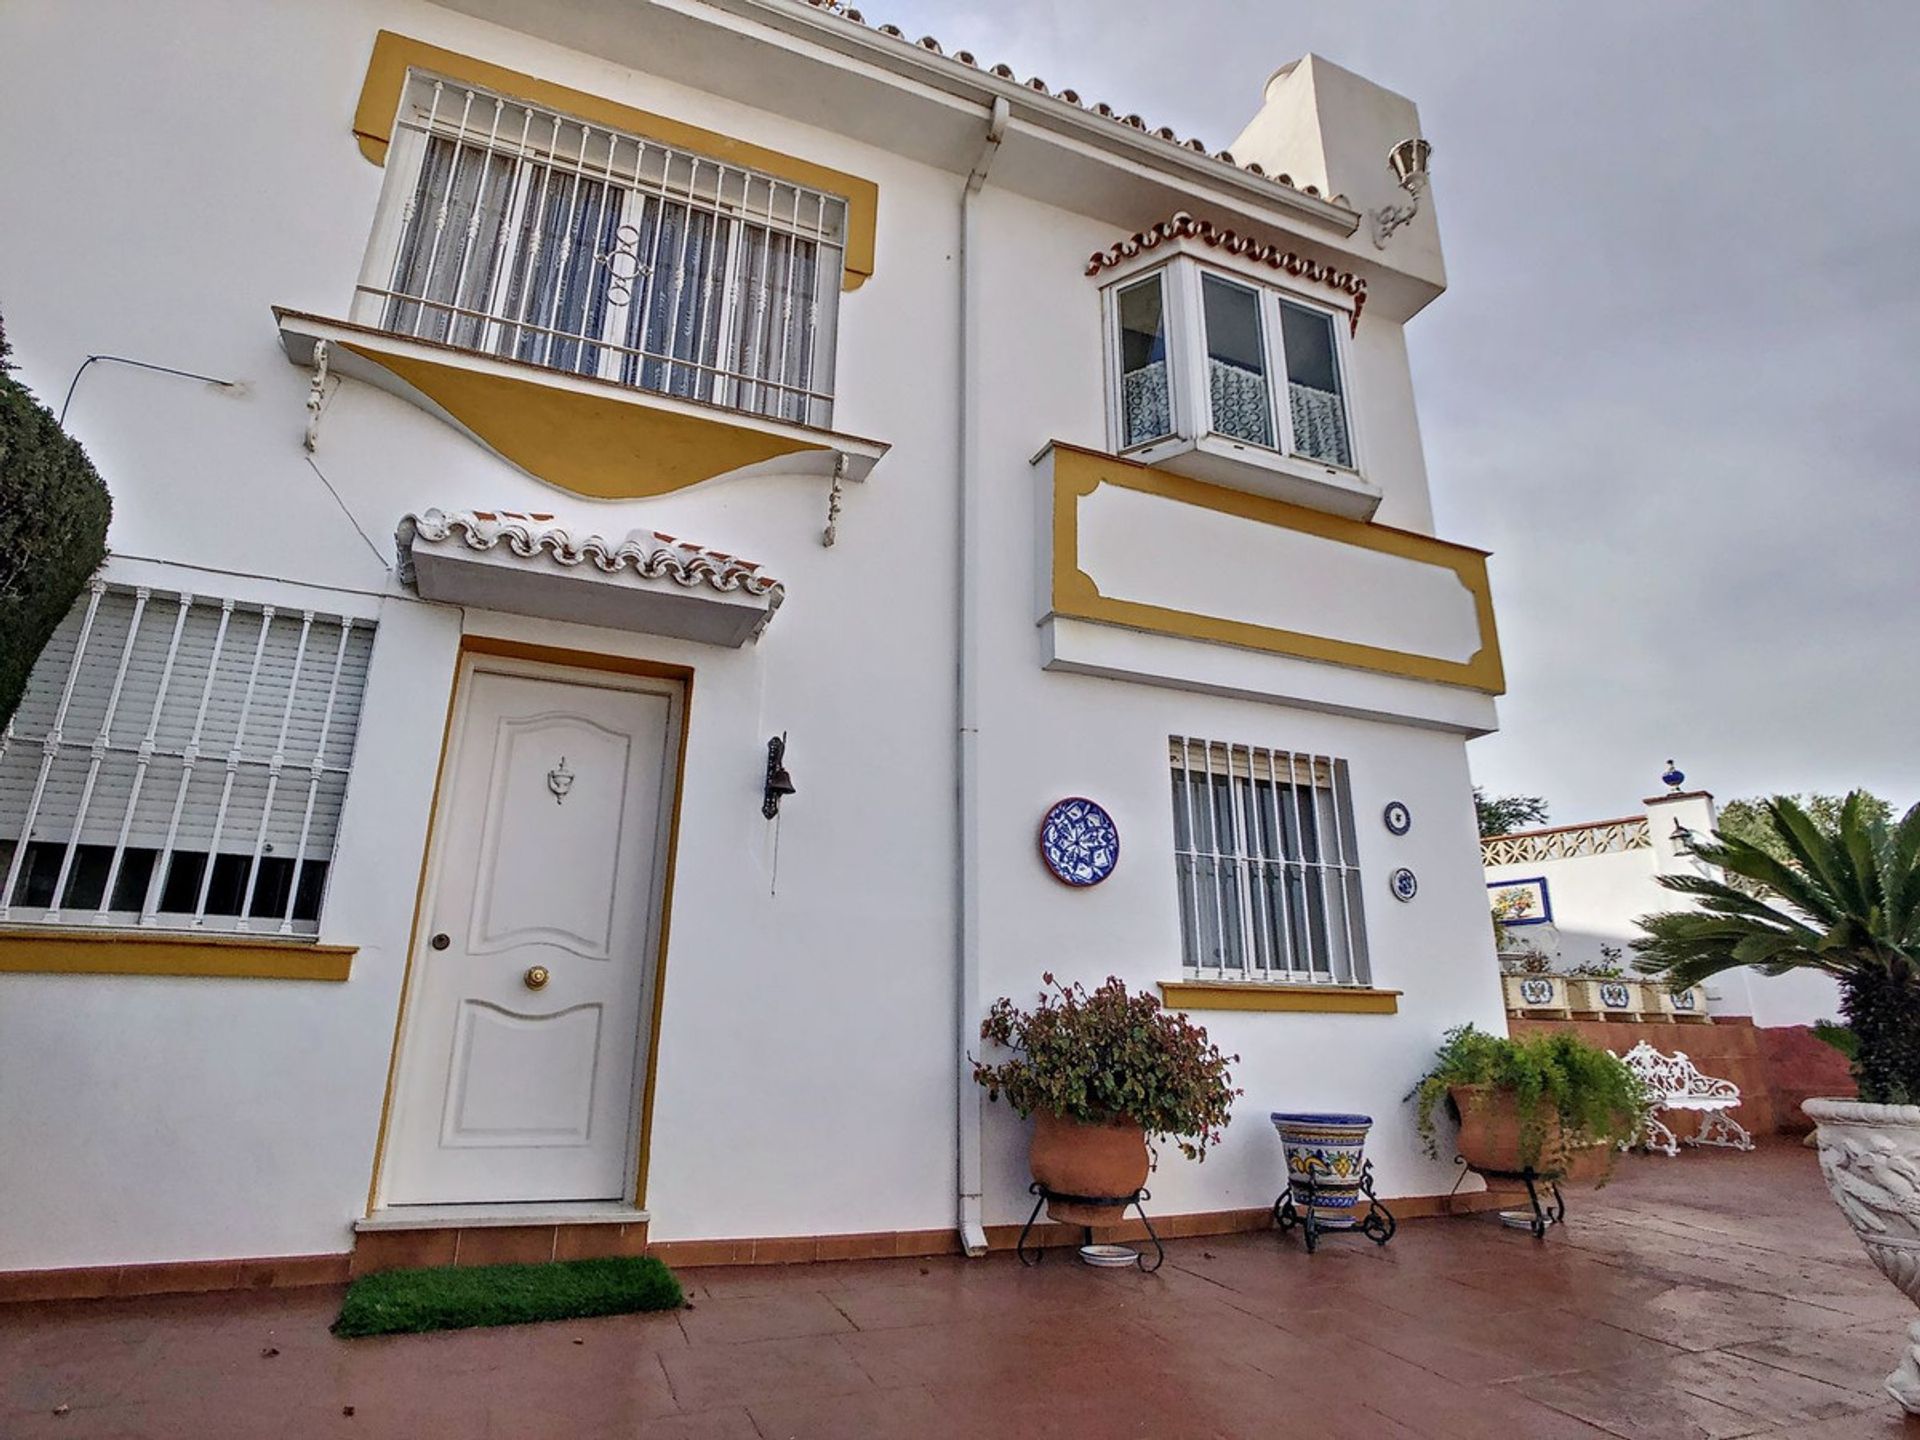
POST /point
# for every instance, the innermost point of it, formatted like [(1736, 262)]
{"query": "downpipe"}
[(968, 1163)]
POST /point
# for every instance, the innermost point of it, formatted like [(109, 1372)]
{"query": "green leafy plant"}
[(1844, 901), (54, 510), (1550, 1074), (1828, 1032), (1107, 1055), (1504, 814)]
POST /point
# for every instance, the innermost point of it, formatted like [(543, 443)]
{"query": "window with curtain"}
[(1202, 354), (1265, 864), (180, 762), (545, 239), (1236, 361), (1146, 395)]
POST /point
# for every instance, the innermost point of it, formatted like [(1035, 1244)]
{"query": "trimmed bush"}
[(54, 510)]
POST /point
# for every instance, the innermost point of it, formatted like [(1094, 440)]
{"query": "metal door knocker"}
[(560, 780)]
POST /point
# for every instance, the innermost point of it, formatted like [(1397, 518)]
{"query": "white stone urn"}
[(1870, 1155)]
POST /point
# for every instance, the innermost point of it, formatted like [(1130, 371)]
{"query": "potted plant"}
[(1547, 1102), (1844, 901), (1104, 1071)]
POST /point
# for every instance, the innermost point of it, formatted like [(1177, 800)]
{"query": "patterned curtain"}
[(1319, 425), (1148, 404), (1239, 399)]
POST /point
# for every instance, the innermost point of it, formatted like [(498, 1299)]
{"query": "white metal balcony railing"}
[(1266, 862), (1567, 842), (534, 236)]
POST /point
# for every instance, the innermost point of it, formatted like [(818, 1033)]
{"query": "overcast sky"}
[(1675, 382)]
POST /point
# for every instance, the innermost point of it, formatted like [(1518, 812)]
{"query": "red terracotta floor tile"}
[(1715, 1296)]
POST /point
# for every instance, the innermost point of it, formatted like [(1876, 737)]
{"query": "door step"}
[(417, 1237)]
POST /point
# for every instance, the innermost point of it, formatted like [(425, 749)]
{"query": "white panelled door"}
[(538, 938)]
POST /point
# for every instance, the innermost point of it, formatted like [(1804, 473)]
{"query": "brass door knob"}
[(537, 977)]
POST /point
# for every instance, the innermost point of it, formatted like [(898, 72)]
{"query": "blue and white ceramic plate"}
[(1079, 842), (1397, 818), (1405, 884)]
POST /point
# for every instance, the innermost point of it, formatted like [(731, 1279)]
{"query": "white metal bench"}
[(1673, 1082)]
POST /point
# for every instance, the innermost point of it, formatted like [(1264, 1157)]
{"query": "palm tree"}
[(1846, 902)]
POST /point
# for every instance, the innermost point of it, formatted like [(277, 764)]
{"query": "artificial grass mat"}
[(406, 1302)]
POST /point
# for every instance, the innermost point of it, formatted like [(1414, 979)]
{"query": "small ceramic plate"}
[(1108, 1255), (1518, 1219)]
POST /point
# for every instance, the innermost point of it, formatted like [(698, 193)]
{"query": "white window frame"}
[(1293, 919), (323, 688), (470, 115), (1181, 278)]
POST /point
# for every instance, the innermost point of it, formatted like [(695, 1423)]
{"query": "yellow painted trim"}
[(578, 660), (1254, 995), (594, 445), (413, 941), (227, 957), (394, 55), (1077, 473)]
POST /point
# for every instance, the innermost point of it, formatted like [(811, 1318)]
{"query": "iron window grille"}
[(527, 234), (180, 763), (1265, 858)]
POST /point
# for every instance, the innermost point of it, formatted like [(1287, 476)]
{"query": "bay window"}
[(1235, 380)]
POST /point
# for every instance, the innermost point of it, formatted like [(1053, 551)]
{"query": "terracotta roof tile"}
[(1072, 97), (1182, 226)]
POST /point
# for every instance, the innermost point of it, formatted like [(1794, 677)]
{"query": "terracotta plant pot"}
[(1490, 1140), (1071, 1158), (1870, 1155)]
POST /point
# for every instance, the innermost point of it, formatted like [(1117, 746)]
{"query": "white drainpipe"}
[(973, 1232)]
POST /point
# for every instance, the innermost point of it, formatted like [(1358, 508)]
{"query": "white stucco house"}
[(573, 400), (1585, 887)]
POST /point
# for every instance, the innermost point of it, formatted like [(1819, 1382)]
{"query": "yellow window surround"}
[(1262, 995), (227, 957), (394, 55)]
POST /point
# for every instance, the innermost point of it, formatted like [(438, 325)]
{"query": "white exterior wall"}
[(806, 1056)]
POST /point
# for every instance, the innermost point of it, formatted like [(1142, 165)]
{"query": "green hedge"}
[(54, 510)]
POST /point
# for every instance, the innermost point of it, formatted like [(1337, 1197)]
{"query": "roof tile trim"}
[(1072, 97), (649, 554), (1183, 226)]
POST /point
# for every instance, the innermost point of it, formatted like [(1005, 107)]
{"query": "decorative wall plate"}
[(1405, 883), (1536, 991), (1079, 842), (1615, 996), (1397, 818)]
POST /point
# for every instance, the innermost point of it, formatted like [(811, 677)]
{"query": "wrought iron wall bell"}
[(779, 782)]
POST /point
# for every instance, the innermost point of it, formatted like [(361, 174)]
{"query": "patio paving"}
[(1716, 1295)]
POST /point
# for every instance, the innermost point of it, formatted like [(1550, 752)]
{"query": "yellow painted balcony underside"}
[(394, 55), (230, 957), (611, 449)]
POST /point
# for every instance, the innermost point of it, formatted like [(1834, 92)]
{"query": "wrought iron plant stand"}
[(1544, 1216), (1043, 1195), (1378, 1225)]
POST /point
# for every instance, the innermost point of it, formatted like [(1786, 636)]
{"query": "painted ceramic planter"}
[(1613, 999), (1689, 1004), (1542, 993), (1870, 1155), (1329, 1148), (1071, 1158)]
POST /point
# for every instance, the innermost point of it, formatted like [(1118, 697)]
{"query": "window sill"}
[(581, 434), (1234, 465), (1263, 995), (122, 952)]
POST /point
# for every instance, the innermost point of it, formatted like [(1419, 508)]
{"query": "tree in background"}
[(1504, 814), (54, 510), (1747, 819)]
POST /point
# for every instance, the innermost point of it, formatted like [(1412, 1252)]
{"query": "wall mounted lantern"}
[(1682, 838), (779, 782), (1408, 161)]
